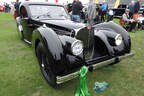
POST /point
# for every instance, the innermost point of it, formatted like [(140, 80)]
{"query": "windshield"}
[(48, 12)]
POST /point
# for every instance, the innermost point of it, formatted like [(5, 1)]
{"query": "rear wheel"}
[(45, 65)]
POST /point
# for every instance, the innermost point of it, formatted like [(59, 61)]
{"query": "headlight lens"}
[(77, 47), (118, 39)]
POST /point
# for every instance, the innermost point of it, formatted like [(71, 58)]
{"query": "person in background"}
[(69, 7), (129, 21), (103, 8), (91, 12), (137, 6), (76, 10), (110, 14), (7, 7), (140, 21), (16, 5), (140, 25), (12, 8), (81, 12), (46, 0), (97, 19), (143, 13), (131, 7), (79, 2)]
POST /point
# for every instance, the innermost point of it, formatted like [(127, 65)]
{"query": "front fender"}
[(73, 61), (103, 38), (53, 47), (117, 29)]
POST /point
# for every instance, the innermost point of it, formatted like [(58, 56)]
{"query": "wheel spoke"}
[(42, 65), (42, 62)]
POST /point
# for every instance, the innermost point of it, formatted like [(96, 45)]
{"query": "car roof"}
[(27, 3)]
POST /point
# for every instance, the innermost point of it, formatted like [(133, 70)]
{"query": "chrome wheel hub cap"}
[(42, 65)]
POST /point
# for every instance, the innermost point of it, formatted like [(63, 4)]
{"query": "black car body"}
[(63, 46)]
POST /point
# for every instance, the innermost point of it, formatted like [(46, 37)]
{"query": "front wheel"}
[(45, 66)]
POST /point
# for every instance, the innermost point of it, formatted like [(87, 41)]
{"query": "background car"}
[(2, 8), (62, 46), (118, 12)]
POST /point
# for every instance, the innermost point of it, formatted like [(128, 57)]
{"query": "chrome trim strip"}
[(67, 77), (27, 41), (95, 66)]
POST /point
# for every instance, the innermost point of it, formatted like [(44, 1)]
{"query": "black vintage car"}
[(62, 46), (118, 12)]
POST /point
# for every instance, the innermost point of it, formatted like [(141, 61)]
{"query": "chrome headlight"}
[(118, 39), (77, 47)]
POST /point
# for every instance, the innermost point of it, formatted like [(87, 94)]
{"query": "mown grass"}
[(20, 74)]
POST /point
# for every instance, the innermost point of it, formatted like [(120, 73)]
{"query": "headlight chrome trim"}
[(74, 44), (118, 39)]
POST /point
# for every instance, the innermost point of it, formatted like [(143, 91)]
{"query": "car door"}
[(26, 24)]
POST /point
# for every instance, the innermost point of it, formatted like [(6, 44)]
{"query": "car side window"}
[(23, 12)]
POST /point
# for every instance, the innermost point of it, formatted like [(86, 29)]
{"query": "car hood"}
[(64, 23)]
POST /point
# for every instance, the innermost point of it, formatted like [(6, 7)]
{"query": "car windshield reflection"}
[(48, 12)]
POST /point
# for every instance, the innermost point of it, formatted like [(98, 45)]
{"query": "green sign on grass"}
[(82, 89)]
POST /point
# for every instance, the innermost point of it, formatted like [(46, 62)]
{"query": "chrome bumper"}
[(95, 66)]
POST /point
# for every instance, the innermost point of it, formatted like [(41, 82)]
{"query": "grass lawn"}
[(20, 74)]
